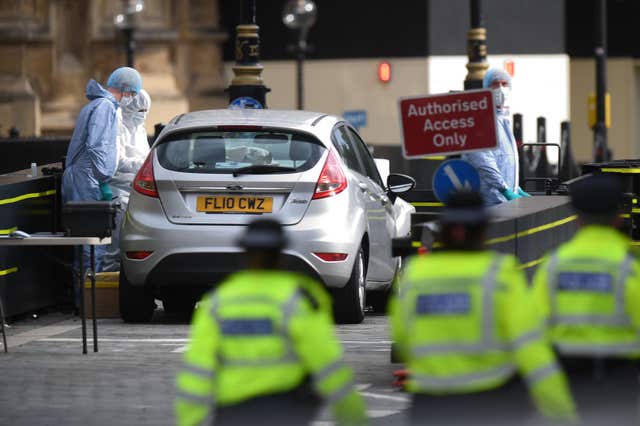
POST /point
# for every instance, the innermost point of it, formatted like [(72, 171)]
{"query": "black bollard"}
[(523, 160), (568, 168), (541, 129), (542, 165)]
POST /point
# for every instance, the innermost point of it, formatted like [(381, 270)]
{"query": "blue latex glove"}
[(105, 190), (523, 193), (510, 195)]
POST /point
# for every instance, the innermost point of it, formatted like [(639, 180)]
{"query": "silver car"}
[(210, 173)]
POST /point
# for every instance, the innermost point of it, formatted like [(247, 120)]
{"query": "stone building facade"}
[(49, 49)]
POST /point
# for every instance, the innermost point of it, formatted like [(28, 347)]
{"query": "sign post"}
[(447, 124)]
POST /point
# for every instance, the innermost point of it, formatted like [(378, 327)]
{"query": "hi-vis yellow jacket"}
[(261, 333), (464, 322), (589, 292)]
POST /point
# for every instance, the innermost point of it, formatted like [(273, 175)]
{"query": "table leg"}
[(93, 299), (4, 336), (82, 310)]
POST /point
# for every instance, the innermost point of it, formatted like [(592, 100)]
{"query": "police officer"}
[(464, 325), (263, 348), (589, 291)]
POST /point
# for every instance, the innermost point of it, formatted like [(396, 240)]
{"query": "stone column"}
[(69, 74), (25, 71), (200, 55)]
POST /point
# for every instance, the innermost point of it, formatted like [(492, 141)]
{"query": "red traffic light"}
[(384, 72)]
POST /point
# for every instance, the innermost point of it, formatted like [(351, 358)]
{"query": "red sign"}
[(448, 123)]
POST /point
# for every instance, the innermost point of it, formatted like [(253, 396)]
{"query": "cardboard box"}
[(107, 301)]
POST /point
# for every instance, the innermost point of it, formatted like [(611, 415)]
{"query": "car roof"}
[(293, 119)]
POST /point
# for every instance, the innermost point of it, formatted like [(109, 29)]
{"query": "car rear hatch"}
[(230, 176)]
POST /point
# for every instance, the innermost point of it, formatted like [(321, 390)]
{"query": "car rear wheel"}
[(378, 300), (178, 305), (136, 302), (349, 301)]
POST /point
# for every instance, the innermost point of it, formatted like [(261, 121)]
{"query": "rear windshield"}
[(225, 151)]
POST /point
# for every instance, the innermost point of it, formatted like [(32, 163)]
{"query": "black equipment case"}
[(89, 218)]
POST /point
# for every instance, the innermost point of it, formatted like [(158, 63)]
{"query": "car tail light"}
[(332, 257), (138, 255), (332, 180), (144, 181)]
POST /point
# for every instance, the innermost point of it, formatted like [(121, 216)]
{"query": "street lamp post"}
[(476, 48), (600, 130), (247, 89), (300, 15), (126, 22)]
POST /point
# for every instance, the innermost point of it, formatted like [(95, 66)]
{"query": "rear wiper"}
[(262, 169)]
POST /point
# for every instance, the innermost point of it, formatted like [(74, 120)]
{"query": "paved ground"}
[(45, 379)]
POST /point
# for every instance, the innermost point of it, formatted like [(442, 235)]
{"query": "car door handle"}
[(363, 186)]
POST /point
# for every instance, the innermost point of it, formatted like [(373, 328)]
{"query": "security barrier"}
[(628, 171), (30, 205), (527, 228)]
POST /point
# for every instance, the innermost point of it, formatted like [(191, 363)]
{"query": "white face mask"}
[(125, 100), (506, 97), (138, 118), (501, 97)]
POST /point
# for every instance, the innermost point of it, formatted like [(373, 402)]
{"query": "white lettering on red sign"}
[(450, 123)]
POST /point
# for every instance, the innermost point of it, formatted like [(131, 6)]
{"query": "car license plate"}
[(234, 204)]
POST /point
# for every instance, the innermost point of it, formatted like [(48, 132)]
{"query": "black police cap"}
[(263, 234), (466, 208), (597, 194)]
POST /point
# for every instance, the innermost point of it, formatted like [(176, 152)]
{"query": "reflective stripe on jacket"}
[(589, 291), (261, 333), (464, 322)]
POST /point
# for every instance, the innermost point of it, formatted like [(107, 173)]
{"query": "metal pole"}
[(82, 307), (600, 130), (476, 48), (93, 297), (4, 335), (476, 14), (300, 72), (249, 12), (130, 45)]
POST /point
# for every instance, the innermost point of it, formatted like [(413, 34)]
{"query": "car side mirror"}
[(397, 183)]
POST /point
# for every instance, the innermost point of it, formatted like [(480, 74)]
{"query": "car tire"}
[(136, 302), (378, 301), (179, 306), (349, 301)]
